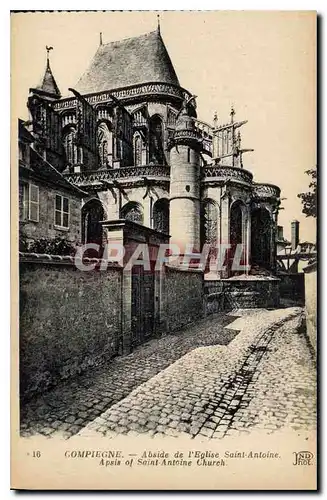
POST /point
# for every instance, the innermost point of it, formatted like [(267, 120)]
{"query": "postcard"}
[(164, 257)]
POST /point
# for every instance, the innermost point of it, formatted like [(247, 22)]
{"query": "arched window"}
[(156, 152), (236, 224), (261, 235), (209, 222), (137, 150), (161, 215), (105, 145), (132, 211), (70, 145), (92, 215)]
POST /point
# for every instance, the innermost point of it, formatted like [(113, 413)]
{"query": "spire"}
[(100, 37), (49, 85)]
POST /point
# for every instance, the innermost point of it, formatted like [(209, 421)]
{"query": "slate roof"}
[(128, 62), (49, 85), (43, 170)]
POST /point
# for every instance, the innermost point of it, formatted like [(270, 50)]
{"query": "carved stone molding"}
[(226, 174), (126, 177), (266, 191), (128, 93)]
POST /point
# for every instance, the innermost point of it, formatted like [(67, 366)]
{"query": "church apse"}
[(139, 141)]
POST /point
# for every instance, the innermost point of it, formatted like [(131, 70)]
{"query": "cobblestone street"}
[(66, 409), (264, 379), (225, 375)]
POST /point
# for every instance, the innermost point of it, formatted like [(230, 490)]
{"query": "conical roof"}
[(128, 62), (49, 84)]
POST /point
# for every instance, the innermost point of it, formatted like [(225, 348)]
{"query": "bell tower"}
[(185, 184)]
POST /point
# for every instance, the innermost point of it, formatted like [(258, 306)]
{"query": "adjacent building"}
[(49, 205)]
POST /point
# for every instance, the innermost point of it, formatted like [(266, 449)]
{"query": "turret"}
[(46, 123), (185, 184), (48, 87)]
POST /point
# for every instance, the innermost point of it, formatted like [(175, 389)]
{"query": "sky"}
[(262, 63)]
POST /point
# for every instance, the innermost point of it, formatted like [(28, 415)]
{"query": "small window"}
[(61, 211), (23, 201), (188, 155), (29, 202), (33, 211)]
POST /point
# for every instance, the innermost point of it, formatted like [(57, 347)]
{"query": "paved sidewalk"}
[(65, 410), (264, 378)]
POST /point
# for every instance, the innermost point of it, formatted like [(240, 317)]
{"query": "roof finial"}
[(232, 113), (215, 119), (158, 19), (48, 50), (100, 37)]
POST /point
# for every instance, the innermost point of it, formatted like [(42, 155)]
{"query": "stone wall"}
[(310, 276), (229, 294), (292, 287), (69, 320), (183, 297)]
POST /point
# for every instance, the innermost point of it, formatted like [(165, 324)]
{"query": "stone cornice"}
[(99, 179), (263, 190), (151, 89), (221, 175)]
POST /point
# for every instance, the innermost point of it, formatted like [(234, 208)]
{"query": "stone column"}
[(273, 245), (147, 207), (225, 228)]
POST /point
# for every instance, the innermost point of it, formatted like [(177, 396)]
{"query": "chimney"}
[(295, 225), (280, 233)]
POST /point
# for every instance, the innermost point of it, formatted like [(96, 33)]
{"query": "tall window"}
[(236, 224), (92, 215), (28, 202), (209, 222), (137, 150), (70, 146), (156, 140), (132, 211), (261, 237), (161, 216), (104, 153), (105, 145), (61, 211)]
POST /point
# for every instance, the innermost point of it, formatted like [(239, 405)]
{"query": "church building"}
[(130, 141)]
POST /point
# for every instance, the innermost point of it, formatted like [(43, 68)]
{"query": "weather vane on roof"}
[(158, 19), (48, 50)]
